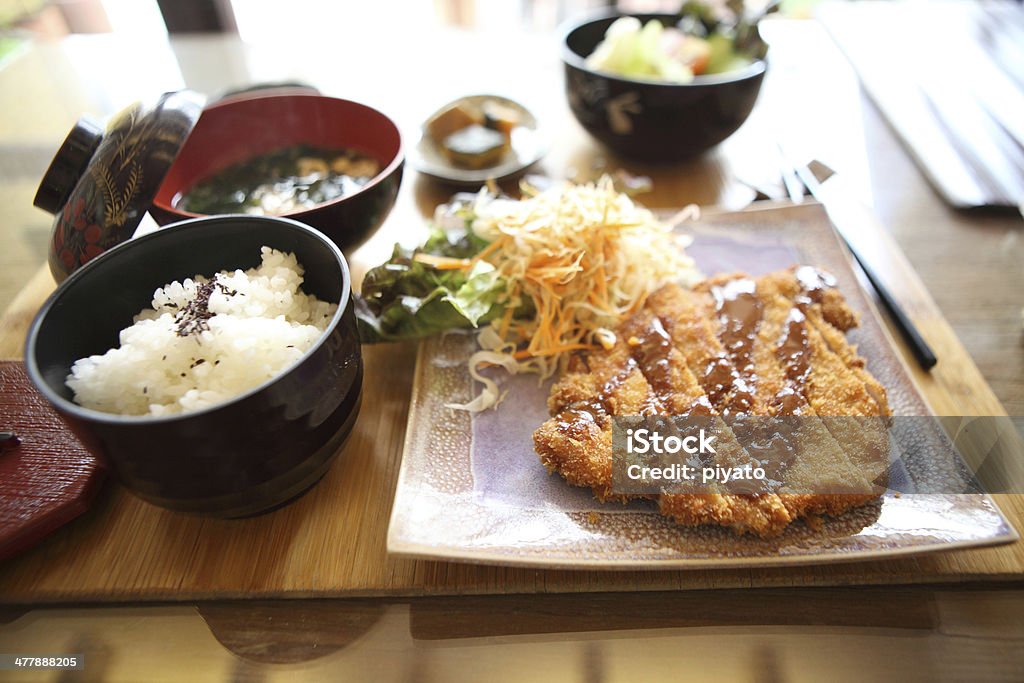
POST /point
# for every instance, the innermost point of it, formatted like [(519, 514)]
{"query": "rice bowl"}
[(246, 454)]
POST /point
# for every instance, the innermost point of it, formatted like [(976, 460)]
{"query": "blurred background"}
[(251, 20)]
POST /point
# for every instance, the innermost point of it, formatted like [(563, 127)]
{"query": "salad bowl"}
[(653, 120)]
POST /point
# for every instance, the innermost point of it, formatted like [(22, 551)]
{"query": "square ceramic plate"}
[(472, 489)]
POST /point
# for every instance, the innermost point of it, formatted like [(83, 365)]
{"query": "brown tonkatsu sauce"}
[(651, 352), (731, 376), (793, 349)]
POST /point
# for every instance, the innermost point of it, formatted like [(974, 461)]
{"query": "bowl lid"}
[(100, 183)]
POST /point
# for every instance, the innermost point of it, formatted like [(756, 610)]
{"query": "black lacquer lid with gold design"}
[(101, 183)]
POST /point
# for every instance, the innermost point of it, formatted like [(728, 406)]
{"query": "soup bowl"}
[(241, 457), (244, 126)]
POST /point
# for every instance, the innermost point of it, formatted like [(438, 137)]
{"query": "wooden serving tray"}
[(332, 541)]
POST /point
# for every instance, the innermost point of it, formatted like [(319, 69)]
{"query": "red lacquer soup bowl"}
[(244, 127)]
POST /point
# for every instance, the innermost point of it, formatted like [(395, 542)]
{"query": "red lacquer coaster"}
[(48, 477)]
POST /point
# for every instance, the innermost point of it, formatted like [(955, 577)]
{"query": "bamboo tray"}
[(332, 541)]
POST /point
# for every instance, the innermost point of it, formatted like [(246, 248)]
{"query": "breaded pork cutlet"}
[(643, 374), (733, 346), (736, 347), (800, 374), (718, 335), (852, 403)]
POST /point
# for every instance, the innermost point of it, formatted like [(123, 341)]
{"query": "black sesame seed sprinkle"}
[(194, 317)]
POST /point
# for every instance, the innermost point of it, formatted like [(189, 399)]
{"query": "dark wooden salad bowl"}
[(247, 125)]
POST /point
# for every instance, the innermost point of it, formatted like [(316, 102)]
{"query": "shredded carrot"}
[(489, 249), (443, 262)]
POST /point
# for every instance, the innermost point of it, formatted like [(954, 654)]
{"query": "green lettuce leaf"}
[(406, 299)]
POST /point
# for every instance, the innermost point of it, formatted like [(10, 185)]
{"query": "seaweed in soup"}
[(282, 181)]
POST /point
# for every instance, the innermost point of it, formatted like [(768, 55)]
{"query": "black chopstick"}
[(918, 346)]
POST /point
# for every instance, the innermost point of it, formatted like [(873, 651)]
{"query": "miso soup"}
[(285, 180)]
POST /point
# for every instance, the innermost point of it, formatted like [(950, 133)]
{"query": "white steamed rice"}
[(262, 324)]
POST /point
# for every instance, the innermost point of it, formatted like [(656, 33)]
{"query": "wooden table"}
[(968, 266)]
